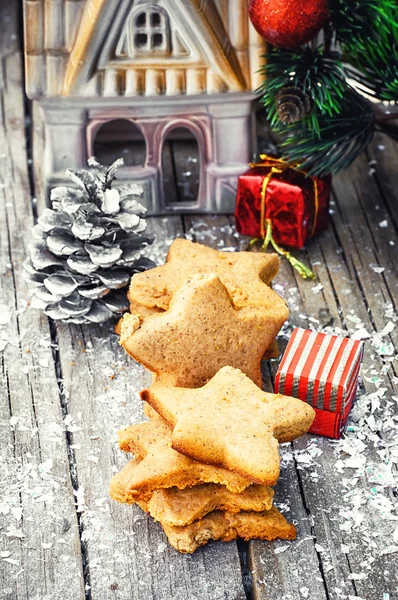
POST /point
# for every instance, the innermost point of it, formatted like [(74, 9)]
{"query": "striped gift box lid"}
[(320, 369)]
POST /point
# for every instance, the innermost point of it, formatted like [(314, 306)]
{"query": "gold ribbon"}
[(277, 165)]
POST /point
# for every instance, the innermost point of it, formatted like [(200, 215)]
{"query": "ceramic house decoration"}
[(143, 69)]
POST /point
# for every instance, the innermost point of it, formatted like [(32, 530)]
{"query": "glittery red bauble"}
[(288, 23)]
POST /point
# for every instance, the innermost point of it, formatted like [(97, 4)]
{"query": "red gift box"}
[(296, 205), (322, 370)]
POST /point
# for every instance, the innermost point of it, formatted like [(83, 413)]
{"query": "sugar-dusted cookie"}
[(182, 507), (225, 526), (142, 311), (150, 413), (244, 274), (202, 332), (161, 466), (120, 487), (231, 423)]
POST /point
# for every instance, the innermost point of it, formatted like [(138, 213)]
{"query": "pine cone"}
[(87, 247), (292, 105)]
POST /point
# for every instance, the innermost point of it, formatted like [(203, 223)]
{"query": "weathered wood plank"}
[(285, 570), (383, 160), (274, 574), (40, 545), (368, 300), (337, 257), (365, 244), (127, 553), (324, 492), (321, 519)]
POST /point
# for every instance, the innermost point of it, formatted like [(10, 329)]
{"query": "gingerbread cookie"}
[(121, 487), (231, 423), (244, 274), (182, 507), (161, 466), (201, 332), (224, 526)]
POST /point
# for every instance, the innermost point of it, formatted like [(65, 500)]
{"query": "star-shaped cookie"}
[(231, 423), (246, 275), (225, 526), (201, 332), (182, 507), (161, 466)]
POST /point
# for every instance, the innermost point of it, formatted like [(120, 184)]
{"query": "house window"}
[(181, 167), (150, 31), (120, 138)]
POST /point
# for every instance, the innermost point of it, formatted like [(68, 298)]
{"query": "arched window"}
[(120, 139), (181, 167), (147, 33)]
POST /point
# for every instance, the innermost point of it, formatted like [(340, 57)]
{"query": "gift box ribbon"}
[(277, 166)]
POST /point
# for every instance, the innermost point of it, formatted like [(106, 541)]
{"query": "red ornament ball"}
[(288, 23)]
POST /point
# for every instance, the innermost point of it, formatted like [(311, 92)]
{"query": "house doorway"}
[(120, 138), (181, 167)]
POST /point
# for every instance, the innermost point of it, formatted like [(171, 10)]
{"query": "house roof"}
[(70, 49)]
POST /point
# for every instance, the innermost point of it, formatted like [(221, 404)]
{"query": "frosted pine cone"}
[(87, 247)]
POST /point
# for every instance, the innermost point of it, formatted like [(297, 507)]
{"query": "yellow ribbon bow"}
[(277, 165)]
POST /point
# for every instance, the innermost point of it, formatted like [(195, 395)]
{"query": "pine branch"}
[(367, 31), (342, 137), (319, 75), (341, 122), (356, 22), (373, 70)]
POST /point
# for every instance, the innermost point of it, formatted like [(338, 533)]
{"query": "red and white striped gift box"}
[(322, 370)]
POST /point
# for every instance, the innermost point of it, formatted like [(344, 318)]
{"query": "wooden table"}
[(66, 390)]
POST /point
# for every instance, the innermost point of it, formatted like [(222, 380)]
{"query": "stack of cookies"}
[(206, 459)]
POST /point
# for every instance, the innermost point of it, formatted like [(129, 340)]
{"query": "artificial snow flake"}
[(395, 535), (389, 550), (11, 561), (17, 512), (161, 547), (80, 499), (111, 201), (13, 532), (361, 334), (316, 289), (377, 268), (281, 549), (5, 314), (357, 576)]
